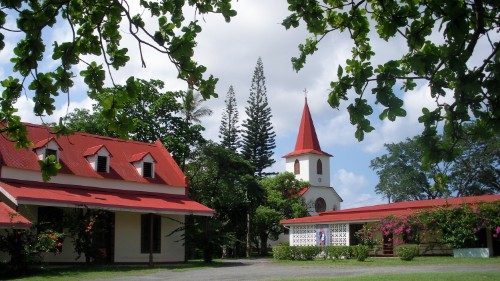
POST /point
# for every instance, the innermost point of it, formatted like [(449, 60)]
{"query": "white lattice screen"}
[(303, 235), (340, 234)]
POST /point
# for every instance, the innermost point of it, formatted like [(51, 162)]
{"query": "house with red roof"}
[(139, 185), (340, 226)]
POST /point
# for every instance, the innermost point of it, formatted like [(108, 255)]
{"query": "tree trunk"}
[(263, 244), (248, 235)]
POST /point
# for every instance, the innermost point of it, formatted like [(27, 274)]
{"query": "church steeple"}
[(307, 140)]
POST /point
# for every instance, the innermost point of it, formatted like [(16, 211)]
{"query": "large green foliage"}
[(473, 170), (258, 133), (153, 114), (96, 31), (225, 182), (443, 39), (281, 201)]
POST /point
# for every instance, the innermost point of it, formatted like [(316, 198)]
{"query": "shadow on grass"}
[(78, 272)]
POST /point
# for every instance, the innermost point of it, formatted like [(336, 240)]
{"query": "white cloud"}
[(354, 189)]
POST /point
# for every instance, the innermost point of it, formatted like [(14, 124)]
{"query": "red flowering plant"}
[(490, 217), (369, 234), (402, 229), (87, 227)]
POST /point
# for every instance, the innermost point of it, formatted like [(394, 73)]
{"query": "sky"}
[(230, 51)]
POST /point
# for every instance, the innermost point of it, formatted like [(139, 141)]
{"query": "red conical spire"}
[(307, 140)]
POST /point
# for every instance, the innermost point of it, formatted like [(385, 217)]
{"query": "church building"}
[(309, 163)]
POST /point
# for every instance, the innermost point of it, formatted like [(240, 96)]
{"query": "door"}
[(388, 247)]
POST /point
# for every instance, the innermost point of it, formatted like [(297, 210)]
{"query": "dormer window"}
[(102, 164), (49, 151), (144, 163), (99, 158), (46, 147)]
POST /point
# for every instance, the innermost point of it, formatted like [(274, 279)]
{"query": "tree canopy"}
[(450, 45), (96, 31), (152, 115), (474, 170), (281, 201)]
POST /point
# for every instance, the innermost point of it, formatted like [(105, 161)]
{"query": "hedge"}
[(283, 252)]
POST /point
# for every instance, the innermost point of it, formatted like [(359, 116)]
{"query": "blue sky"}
[(230, 52)]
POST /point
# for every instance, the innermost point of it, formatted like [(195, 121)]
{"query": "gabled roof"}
[(74, 146), (43, 142), (139, 156), (9, 218), (378, 212), (94, 149), (307, 140)]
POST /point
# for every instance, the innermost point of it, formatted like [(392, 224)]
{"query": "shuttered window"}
[(147, 169), (102, 164)]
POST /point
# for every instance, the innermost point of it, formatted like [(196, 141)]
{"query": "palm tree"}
[(192, 109)]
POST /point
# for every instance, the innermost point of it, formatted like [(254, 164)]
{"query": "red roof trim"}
[(377, 212), (307, 139), (9, 218)]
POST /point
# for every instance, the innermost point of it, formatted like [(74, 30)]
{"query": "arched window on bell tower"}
[(319, 167), (296, 167)]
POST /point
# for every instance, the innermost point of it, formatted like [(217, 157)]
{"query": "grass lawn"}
[(378, 261), (436, 276), (112, 271)]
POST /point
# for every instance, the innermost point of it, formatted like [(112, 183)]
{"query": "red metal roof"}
[(39, 194), (74, 147), (307, 140), (9, 218), (378, 212)]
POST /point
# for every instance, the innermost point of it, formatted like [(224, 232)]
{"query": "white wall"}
[(326, 193), (128, 239), (308, 171)]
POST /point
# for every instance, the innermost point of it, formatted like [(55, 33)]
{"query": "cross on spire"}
[(305, 93)]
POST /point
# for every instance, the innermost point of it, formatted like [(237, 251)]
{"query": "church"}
[(327, 223), (309, 163)]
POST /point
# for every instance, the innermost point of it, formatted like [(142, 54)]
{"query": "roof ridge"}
[(92, 135)]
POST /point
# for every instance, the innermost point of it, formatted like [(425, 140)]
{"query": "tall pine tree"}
[(258, 134), (229, 130)]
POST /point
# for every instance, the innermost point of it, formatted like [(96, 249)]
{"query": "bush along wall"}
[(359, 252)]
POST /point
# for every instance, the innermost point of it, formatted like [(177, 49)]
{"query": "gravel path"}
[(263, 269)]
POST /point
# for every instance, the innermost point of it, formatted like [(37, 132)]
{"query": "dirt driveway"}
[(265, 269)]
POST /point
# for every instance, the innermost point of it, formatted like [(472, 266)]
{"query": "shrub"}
[(407, 252), (338, 252), (282, 252), (296, 252), (360, 252)]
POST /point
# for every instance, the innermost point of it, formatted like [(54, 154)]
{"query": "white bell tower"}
[(309, 163)]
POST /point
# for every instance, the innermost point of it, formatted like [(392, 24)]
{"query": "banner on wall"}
[(323, 235)]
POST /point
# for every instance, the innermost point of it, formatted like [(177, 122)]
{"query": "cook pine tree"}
[(229, 129), (258, 134)]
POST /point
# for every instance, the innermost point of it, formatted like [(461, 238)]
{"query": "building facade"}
[(139, 185), (339, 227)]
